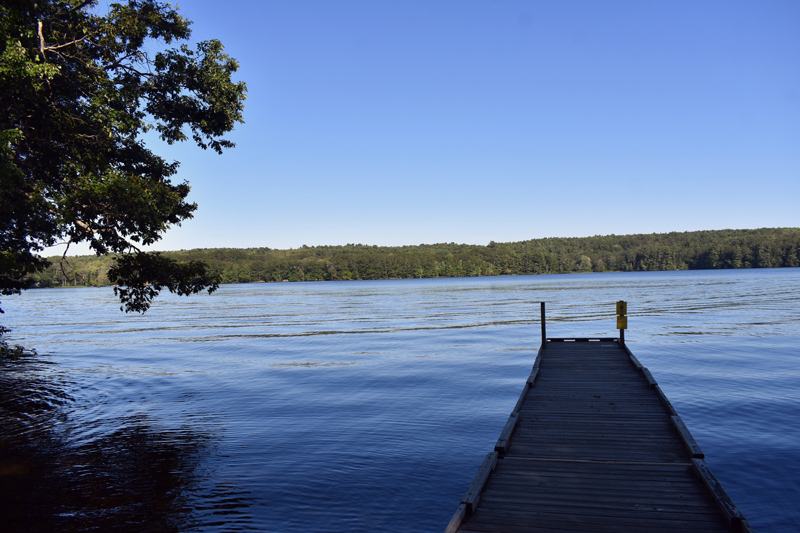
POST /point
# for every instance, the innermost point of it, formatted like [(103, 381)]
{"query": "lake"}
[(366, 405)]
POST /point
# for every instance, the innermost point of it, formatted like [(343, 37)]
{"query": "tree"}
[(77, 92)]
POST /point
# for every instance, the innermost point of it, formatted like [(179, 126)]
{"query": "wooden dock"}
[(594, 445)]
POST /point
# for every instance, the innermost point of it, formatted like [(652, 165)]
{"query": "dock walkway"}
[(594, 445)]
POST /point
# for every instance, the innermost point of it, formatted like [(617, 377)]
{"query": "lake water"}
[(366, 405)]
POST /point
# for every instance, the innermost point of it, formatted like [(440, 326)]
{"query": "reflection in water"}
[(135, 478)]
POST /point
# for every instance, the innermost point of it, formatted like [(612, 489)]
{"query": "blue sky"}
[(411, 122)]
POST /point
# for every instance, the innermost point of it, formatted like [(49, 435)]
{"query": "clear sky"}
[(408, 122)]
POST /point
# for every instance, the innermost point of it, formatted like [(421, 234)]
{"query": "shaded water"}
[(366, 406)]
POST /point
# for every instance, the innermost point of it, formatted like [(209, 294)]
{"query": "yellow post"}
[(622, 320)]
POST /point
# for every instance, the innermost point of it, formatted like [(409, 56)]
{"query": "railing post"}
[(544, 328)]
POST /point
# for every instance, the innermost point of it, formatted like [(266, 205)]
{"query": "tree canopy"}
[(78, 90)]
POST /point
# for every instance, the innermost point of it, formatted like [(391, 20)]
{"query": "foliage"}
[(146, 274), (77, 92), (760, 248), (11, 351)]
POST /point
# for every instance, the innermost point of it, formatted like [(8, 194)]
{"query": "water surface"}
[(366, 405)]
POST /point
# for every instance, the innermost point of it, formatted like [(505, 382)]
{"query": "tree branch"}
[(48, 48), (41, 38), (63, 269), (84, 227)]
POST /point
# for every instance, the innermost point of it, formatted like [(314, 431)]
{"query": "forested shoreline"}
[(715, 249)]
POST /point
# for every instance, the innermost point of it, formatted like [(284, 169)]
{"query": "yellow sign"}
[(622, 310)]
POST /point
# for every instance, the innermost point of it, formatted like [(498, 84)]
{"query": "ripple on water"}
[(340, 406)]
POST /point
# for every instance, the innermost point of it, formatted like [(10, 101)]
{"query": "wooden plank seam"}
[(665, 401), (650, 379), (537, 362), (688, 440), (470, 500), (505, 436), (735, 518), (521, 400), (532, 377), (632, 357), (461, 512), (525, 388), (473, 495)]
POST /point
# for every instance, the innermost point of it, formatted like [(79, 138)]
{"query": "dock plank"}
[(594, 445)]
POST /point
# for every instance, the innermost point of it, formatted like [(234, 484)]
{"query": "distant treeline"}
[(760, 248)]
